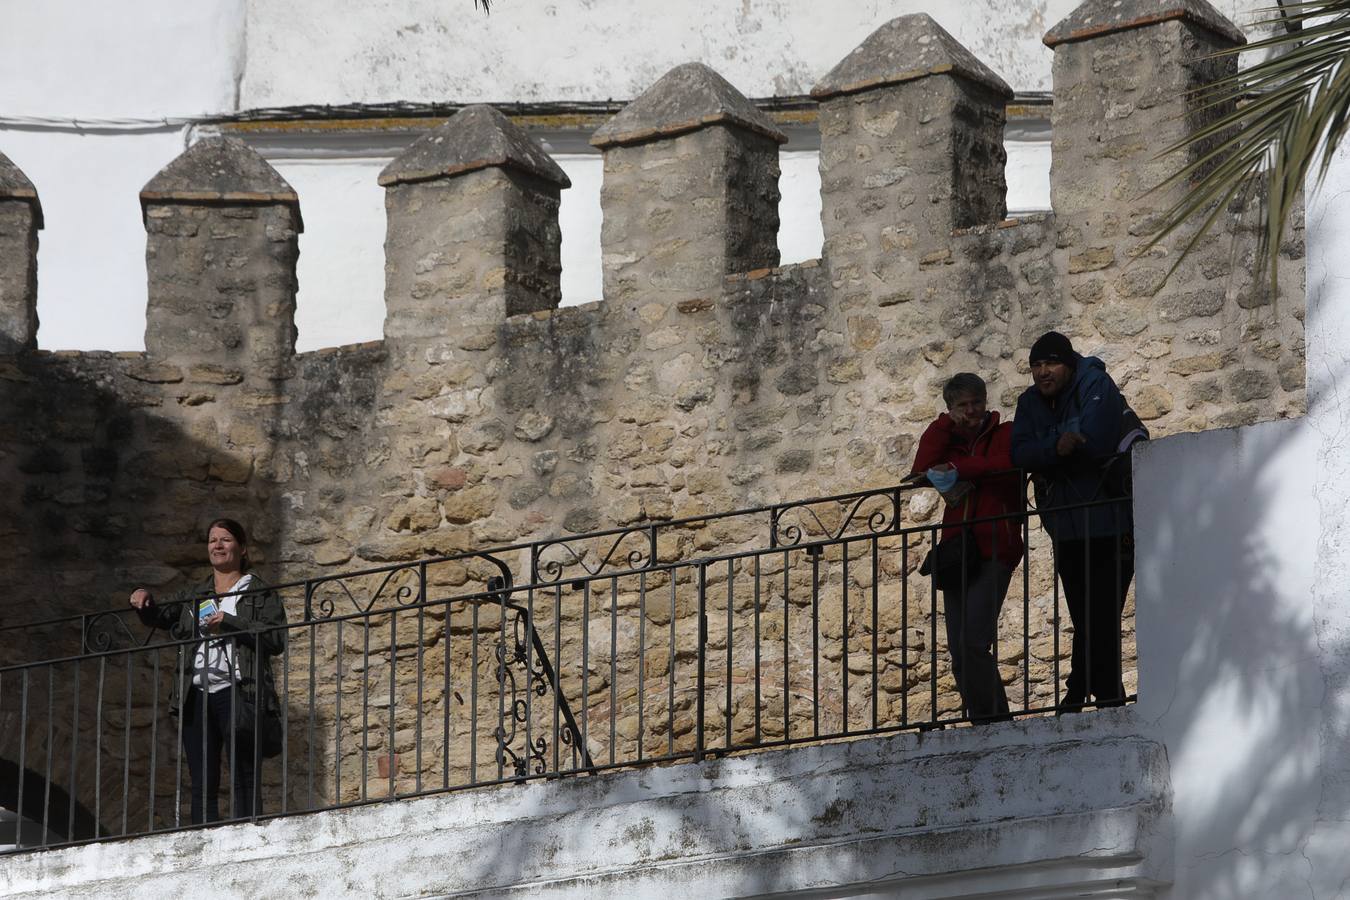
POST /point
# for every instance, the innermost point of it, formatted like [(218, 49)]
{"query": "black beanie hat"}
[(1053, 347)]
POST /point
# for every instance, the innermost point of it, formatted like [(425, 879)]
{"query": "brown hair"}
[(237, 532)]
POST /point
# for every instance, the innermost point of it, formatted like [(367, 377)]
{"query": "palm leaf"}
[(1273, 125)]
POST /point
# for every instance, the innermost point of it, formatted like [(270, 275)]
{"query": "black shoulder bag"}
[(955, 561)]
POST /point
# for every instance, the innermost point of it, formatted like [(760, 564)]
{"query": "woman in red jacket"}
[(965, 454)]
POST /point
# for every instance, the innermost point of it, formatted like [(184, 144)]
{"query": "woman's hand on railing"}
[(142, 599)]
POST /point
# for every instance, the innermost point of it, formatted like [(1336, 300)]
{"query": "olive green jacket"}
[(258, 632)]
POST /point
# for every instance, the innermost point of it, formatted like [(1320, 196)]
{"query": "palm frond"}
[(1272, 125)]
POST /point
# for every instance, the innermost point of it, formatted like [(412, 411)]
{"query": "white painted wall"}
[(104, 59), (1071, 807), (1243, 622), (344, 51)]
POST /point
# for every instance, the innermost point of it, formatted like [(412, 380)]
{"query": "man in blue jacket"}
[(1067, 430)]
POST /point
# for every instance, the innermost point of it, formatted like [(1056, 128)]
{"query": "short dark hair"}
[(961, 384), (236, 531)]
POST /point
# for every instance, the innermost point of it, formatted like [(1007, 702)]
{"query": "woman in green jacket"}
[(221, 678)]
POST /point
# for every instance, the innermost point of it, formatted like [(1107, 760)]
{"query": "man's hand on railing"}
[(141, 599), (1068, 442)]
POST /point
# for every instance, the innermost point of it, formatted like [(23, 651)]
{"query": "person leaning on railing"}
[(1069, 431), (217, 690), (964, 453)]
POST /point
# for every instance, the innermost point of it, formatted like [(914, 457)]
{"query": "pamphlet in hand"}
[(206, 608)]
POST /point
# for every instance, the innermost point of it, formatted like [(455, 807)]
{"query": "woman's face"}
[(224, 551)]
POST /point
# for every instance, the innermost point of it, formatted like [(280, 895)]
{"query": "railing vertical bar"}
[(421, 641), (585, 668), (787, 653), (286, 714), (47, 775), (699, 700), (642, 659), (670, 674), (337, 718), (309, 720), (503, 655), (98, 740), (73, 780), (876, 601), (447, 695), (843, 636), (613, 664), (557, 658), (731, 580), (23, 755), (126, 746), (932, 632), (154, 737), (1054, 592), (904, 628), (234, 719), (179, 749), (759, 733), (814, 553), (473, 697), (531, 636), (365, 706), (1026, 605), (1085, 599), (393, 698)]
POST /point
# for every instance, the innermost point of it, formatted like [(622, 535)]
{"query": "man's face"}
[(967, 410), (1051, 377)]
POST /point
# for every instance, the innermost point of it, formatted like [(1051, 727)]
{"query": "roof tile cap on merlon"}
[(476, 137), (688, 97), (906, 49), (220, 170), (14, 185), (1096, 18)]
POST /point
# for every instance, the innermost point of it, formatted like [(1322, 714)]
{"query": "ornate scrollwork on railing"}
[(520, 649), (109, 631), (511, 652), (862, 515), (587, 557), (387, 589)]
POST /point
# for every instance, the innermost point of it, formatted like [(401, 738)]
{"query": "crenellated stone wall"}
[(705, 380)]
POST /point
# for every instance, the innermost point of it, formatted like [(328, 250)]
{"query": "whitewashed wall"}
[(1243, 622)]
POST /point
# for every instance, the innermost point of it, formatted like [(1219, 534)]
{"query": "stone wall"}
[(706, 380)]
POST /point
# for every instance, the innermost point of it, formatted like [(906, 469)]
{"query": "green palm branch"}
[(1274, 122)]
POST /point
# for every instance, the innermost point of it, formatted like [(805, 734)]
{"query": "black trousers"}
[(207, 735), (1096, 575), (972, 627)]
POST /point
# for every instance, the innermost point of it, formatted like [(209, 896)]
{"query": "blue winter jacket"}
[(1091, 405)]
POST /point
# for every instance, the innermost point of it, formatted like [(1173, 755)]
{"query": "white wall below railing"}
[(1053, 807)]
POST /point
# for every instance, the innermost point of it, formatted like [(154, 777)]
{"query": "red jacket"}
[(989, 452)]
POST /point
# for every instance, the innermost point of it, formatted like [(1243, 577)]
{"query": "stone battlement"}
[(816, 376)]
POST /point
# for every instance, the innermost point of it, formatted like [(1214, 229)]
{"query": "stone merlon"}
[(686, 98), (476, 137), (14, 185), (221, 170), (906, 49), (1100, 17)]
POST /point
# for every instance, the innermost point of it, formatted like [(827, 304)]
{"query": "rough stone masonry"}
[(707, 379)]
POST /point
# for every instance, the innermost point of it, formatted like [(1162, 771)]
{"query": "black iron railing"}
[(620, 648)]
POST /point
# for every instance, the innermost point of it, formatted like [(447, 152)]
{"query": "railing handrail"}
[(495, 594), (672, 524)]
